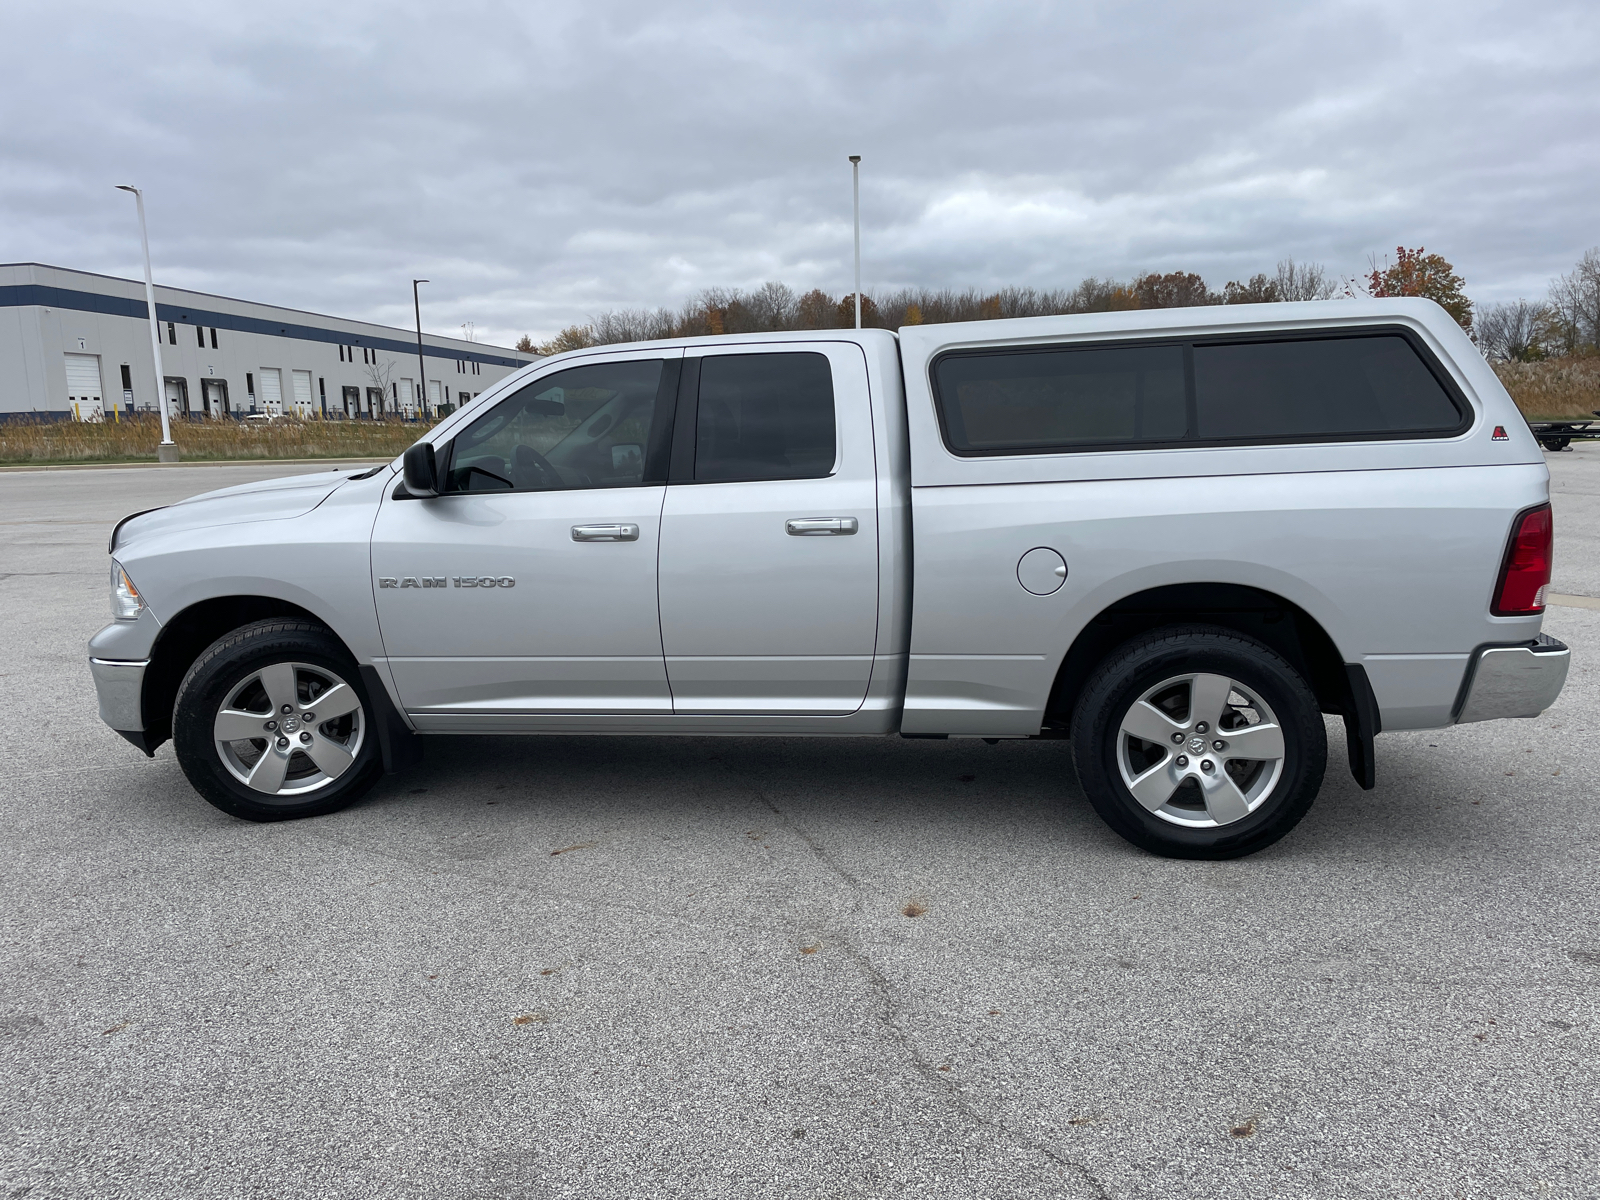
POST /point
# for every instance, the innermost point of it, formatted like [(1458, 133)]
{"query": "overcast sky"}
[(541, 163)]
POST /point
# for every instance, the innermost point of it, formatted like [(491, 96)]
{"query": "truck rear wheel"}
[(1197, 742), (272, 722)]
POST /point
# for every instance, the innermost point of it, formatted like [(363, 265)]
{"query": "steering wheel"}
[(528, 459)]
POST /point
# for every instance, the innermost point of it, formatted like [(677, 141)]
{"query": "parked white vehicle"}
[(1177, 537)]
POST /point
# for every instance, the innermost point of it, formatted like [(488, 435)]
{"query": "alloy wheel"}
[(1200, 750), (289, 729)]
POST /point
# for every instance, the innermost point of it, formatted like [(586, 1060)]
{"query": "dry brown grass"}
[(1558, 389), (134, 439)]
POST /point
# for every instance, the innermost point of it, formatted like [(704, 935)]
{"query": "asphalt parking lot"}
[(564, 967)]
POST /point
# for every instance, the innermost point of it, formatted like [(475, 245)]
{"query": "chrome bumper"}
[(120, 686), (1514, 681)]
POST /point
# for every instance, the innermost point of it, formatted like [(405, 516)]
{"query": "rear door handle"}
[(605, 533), (817, 526)]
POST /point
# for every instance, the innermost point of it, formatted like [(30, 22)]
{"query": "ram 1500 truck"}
[(1178, 538)]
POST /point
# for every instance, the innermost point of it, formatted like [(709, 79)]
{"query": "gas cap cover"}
[(1041, 571)]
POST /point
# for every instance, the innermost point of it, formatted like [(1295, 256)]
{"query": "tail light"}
[(1526, 572)]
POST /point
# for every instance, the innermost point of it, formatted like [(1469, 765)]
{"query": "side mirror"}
[(421, 470)]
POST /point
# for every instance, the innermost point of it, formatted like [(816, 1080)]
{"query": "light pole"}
[(855, 187), (422, 363), (168, 450)]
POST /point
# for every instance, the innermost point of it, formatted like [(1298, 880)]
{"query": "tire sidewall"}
[(212, 679), (1128, 675)]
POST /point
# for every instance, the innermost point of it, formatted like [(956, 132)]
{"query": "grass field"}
[(134, 439), (1555, 390)]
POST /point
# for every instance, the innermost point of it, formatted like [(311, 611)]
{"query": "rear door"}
[(769, 533), (526, 592)]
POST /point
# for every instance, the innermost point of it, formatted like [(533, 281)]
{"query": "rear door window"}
[(764, 416)]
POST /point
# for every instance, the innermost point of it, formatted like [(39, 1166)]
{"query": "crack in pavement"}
[(889, 1016)]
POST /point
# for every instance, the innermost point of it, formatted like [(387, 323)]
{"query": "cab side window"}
[(588, 427), (764, 416)]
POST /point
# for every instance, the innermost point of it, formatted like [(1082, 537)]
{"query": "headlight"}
[(126, 603)]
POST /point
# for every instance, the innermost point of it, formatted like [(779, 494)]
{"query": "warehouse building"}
[(76, 345)]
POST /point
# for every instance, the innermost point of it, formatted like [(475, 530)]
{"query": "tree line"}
[(1566, 323)]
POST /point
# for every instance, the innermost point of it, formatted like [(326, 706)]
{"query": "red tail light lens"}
[(1526, 572)]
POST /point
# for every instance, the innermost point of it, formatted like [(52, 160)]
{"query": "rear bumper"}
[(1513, 681), (120, 687)]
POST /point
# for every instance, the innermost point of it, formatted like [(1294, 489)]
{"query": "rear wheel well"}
[(185, 637), (1277, 623)]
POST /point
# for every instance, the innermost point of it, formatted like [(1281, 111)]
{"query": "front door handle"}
[(605, 533), (817, 526)]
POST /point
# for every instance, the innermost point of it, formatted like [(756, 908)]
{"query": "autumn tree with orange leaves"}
[(1417, 273)]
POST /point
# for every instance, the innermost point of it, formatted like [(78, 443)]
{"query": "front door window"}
[(588, 427)]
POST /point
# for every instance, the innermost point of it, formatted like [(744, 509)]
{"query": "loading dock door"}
[(177, 396), (215, 392), (352, 402), (272, 390), (83, 387), (304, 404)]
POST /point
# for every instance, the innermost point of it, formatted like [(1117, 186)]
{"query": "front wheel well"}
[(1277, 623), (185, 637)]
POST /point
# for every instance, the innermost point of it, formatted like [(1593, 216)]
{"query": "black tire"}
[(215, 678), (1164, 655)]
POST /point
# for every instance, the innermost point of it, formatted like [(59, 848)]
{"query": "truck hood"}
[(267, 500)]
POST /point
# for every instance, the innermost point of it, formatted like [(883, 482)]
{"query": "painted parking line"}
[(1572, 601)]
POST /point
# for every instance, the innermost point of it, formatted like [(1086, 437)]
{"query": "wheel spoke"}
[(338, 700), (1225, 803), (279, 682), (233, 725), (1263, 742), (1208, 698), (267, 775), (1155, 787), (329, 756), (1148, 723)]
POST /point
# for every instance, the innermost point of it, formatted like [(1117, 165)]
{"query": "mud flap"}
[(1361, 725), (400, 746)]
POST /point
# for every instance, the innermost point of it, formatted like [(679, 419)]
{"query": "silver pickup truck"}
[(1177, 538)]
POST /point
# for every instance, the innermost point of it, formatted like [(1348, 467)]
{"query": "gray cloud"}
[(540, 163)]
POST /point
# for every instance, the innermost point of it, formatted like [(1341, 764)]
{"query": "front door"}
[(524, 596), (769, 534)]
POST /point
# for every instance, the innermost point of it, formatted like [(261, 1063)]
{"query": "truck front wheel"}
[(1198, 742), (272, 722)]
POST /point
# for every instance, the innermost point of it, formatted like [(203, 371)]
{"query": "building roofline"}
[(305, 312)]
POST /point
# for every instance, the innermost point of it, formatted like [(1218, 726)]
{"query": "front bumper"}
[(120, 686), (1513, 681)]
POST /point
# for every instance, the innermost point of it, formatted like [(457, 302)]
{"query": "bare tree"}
[(631, 325), (1575, 306), (1302, 281), (772, 307), (380, 374), (1515, 332)]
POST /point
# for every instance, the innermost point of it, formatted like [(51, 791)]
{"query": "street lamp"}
[(422, 363), (168, 450), (855, 187)]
